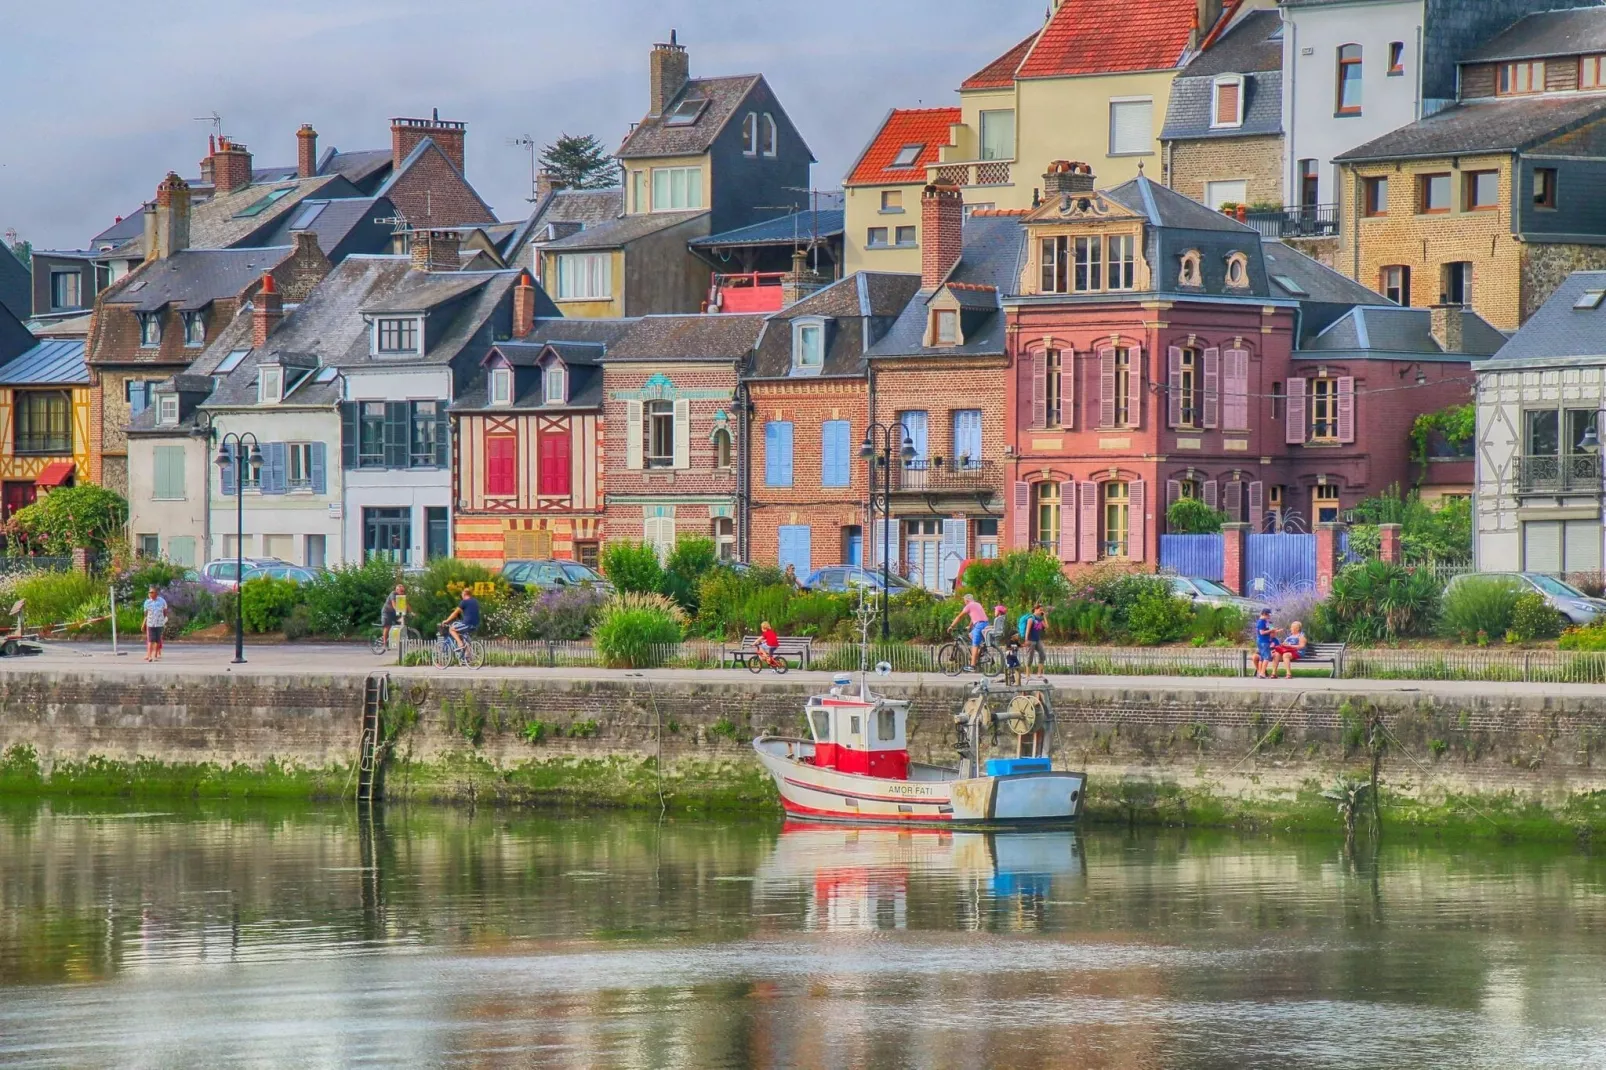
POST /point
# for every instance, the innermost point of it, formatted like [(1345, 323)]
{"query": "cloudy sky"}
[(98, 99)]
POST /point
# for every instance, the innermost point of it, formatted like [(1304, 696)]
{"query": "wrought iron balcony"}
[(1295, 221), (1576, 473), (935, 475), (971, 173)]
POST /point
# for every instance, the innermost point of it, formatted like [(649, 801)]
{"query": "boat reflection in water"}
[(865, 879)]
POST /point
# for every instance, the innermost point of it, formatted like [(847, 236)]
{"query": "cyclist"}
[(767, 643), (463, 621), (978, 627), (394, 612)]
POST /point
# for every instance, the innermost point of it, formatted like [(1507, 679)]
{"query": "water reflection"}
[(328, 937)]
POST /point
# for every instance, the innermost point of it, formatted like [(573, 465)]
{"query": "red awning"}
[(55, 474)]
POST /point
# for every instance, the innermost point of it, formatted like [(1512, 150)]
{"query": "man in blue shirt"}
[(1264, 634), (464, 621)]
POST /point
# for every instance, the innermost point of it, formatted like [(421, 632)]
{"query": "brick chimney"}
[(231, 166), (1445, 325), (669, 69), (206, 164), (172, 217), (148, 219), (1066, 176), (942, 225), (267, 309), (546, 183), (801, 281), (306, 151), (436, 250), (523, 307), (405, 134)]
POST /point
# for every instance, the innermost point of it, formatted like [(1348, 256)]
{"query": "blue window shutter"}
[(320, 480), (778, 454), (794, 542), (348, 434), (786, 454), (835, 470), (275, 468), (227, 471)]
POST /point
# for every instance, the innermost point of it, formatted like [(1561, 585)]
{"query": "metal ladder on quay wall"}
[(376, 689)]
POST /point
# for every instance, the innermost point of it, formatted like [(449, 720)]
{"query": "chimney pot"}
[(405, 134), (942, 223), (231, 166), (436, 250), (267, 309), (669, 69), (306, 151), (1064, 176)]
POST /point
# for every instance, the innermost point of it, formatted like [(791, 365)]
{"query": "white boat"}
[(856, 767)]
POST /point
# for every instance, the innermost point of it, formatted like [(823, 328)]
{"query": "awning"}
[(54, 474)]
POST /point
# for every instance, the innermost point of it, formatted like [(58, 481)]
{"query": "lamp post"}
[(867, 450), (236, 457)]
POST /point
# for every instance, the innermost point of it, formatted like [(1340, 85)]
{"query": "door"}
[(437, 532), (16, 496), (317, 553), (388, 534), (1309, 184), (853, 545), (923, 556)]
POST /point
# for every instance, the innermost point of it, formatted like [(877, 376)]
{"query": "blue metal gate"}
[(1192, 555), (1276, 564)]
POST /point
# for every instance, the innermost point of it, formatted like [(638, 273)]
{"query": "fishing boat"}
[(855, 764)]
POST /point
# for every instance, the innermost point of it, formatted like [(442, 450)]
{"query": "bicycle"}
[(446, 652), (953, 657), (380, 644), (758, 662)]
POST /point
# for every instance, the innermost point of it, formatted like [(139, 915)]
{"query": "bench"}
[(799, 648), (1325, 654)]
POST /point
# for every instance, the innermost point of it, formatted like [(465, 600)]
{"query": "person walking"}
[(978, 626), (155, 621), (1033, 627)]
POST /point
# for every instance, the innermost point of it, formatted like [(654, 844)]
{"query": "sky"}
[(100, 99)]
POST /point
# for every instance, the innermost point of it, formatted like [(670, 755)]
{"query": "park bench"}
[(1325, 654), (797, 647)]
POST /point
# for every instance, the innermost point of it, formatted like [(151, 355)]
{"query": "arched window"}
[(1349, 79), (1190, 275), (722, 448), (1237, 270), (750, 134), (766, 134)]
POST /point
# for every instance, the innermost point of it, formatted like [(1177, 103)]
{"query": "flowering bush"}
[(633, 629), (565, 613)]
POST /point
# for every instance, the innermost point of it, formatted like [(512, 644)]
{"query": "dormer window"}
[(501, 386), (945, 327), (1227, 107), (555, 384), (194, 329), (270, 384), (167, 409), (1190, 274), (150, 329), (1519, 79), (808, 346), (396, 336), (1237, 270), (766, 135)]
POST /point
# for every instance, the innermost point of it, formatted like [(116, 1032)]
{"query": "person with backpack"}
[(1032, 627)]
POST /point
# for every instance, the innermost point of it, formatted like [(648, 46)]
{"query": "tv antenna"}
[(527, 143), (215, 119)]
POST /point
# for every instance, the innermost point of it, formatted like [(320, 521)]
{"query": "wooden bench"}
[(1324, 654), (800, 648)]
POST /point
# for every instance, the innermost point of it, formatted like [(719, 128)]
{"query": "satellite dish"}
[(883, 668), (16, 607)]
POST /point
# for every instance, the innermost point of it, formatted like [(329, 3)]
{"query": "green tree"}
[(633, 567), (23, 251), (66, 519), (1427, 534), (1191, 516), (692, 558), (1018, 580), (578, 161)]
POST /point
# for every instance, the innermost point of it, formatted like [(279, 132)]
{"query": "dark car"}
[(840, 578), (552, 574)]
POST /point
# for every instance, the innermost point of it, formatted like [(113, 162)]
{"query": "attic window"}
[(327, 375), (396, 335), (167, 409), (1237, 270), (1227, 105), (686, 112), (766, 134), (1589, 300), (270, 384), (906, 157), (501, 386), (1290, 286), (1190, 275), (944, 327), (150, 328), (554, 385), (230, 362), (265, 203), (194, 329), (808, 346)]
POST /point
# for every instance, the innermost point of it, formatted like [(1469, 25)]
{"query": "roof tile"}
[(1000, 73), (1109, 36), (927, 127)]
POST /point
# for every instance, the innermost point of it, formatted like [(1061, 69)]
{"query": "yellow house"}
[(44, 422), (882, 192)]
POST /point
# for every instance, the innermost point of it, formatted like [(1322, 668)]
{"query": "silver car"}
[(1564, 598), (1212, 593)]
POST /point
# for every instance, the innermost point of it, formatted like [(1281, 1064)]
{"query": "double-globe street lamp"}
[(883, 458), (231, 454)]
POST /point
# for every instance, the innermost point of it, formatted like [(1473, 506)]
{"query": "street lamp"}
[(867, 450), (236, 458)]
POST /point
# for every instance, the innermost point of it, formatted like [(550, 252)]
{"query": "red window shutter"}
[(1212, 387), (1346, 408), (1295, 430), (1257, 499), (1067, 388), (1233, 505), (1212, 493), (1088, 520), (1235, 395), (1040, 388), (1174, 409), (1068, 543), (1136, 530), (1107, 387), (554, 476), (501, 463), (1021, 517)]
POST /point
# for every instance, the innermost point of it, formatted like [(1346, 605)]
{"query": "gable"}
[(430, 191), (1080, 208)]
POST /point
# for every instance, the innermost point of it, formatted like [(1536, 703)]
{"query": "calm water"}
[(265, 937)]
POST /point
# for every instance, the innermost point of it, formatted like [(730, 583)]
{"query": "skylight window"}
[(265, 203), (906, 157), (231, 361), (308, 215), (1589, 299), (686, 112), (1290, 286)]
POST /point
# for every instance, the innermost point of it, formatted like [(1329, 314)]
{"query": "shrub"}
[(564, 614), (1378, 600), (1481, 605), (53, 597), (1427, 534), (721, 593), (1211, 623), (633, 567), (1533, 619), (821, 614), (433, 593), (1084, 620), (920, 617), (1159, 617), (1591, 637), (632, 629), (1191, 516), (1591, 583), (1120, 587), (265, 602), (68, 518), (134, 583), (298, 622), (1019, 580), (346, 600), (191, 604), (692, 559)]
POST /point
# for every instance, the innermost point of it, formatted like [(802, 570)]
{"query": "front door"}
[(16, 495), (437, 543), (388, 533), (923, 540)]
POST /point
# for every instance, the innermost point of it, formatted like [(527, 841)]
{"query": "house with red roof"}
[(882, 192)]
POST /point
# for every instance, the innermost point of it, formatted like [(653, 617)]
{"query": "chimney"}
[(546, 183), (306, 151), (942, 225), (668, 71), (405, 134), (801, 281), (1066, 176), (267, 309), (231, 166), (1205, 15), (436, 250), (172, 216), (1445, 324), (523, 307), (149, 221), (206, 164)]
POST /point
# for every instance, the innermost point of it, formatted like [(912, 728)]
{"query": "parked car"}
[(1212, 593), (551, 574), (840, 578), (222, 573), (294, 573), (1573, 604)]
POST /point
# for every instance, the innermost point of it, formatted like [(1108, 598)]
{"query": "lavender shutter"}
[(1257, 498), (1346, 408), (1068, 388), (1068, 543), (1233, 501), (1040, 389), (1235, 399), (1174, 390), (1134, 388), (1294, 431), (1173, 492), (1087, 520), (1107, 387), (1212, 493), (1212, 387), (1020, 517), (1136, 528)]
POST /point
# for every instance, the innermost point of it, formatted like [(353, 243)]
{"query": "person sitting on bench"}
[(1290, 650)]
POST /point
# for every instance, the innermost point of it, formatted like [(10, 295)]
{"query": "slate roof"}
[(1546, 33), (216, 223), (927, 127), (16, 285), (792, 229), (859, 310), (654, 137), (1110, 36), (1164, 207), (582, 343), (53, 362), (1321, 283), (356, 167), (728, 337), (1557, 332), (562, 213), (421, 291), (1252, 43), (1506, 125), (343, 225), (193, 278), (1000, 73), (1392, 331), (620, 232), (993, 254), (1188, 117)]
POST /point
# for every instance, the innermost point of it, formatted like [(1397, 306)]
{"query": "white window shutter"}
[(954, 545), (635, 434), (682, 435)]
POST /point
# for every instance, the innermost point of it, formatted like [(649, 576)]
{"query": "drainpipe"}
[(744, 478), (1291, 163)]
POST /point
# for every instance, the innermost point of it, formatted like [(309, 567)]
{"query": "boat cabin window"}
[(822, 725), (855, 725), (886, 726)]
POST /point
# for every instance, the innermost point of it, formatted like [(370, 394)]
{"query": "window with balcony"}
[(43, 423), (1324, 410), (1560, 451), (1117, 519), (1375, 196), (1433, 193), (1046, 516), (1349, 79), (1482, 192), (1396, 284), (1517, 79)]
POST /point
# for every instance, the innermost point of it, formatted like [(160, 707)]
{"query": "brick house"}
[(427, 182), (1489, 203), (669, 426), (807, 395)]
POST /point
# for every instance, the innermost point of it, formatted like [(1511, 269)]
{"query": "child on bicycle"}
[(767, 642), (1012, 661)]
